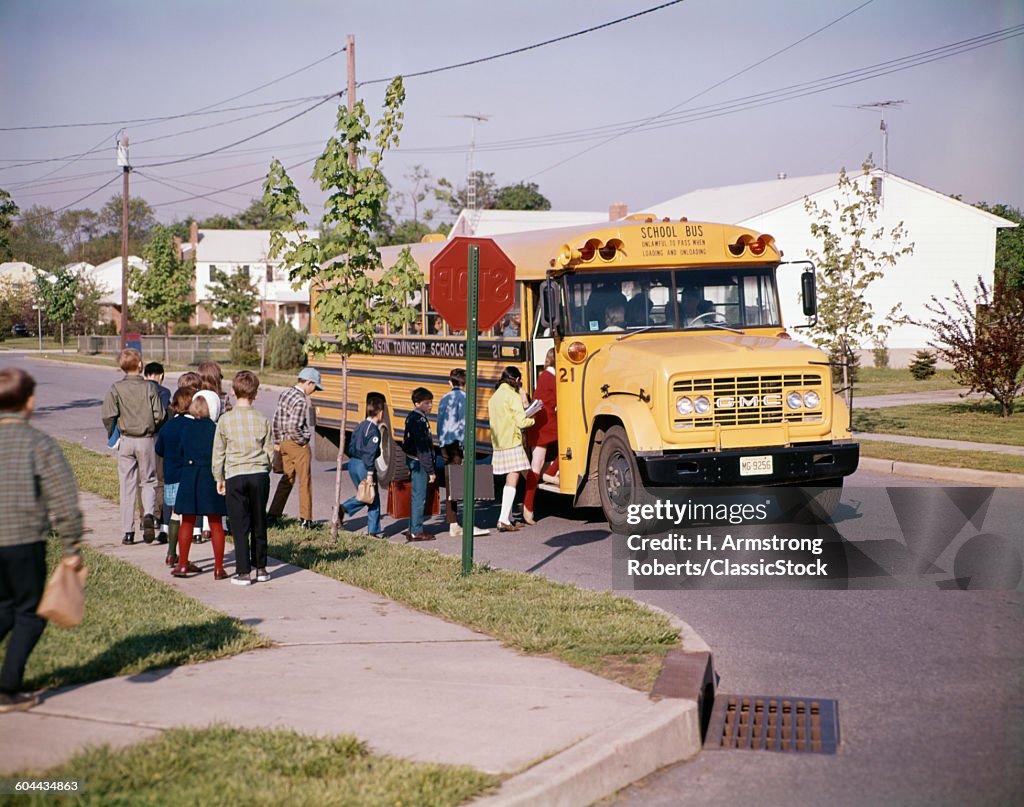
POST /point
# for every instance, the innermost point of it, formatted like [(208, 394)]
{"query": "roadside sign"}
[(449, 282)]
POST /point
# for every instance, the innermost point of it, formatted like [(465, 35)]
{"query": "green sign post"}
[(469, 463)]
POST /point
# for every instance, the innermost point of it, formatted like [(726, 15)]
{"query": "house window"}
[(270, 273), (245, 270)]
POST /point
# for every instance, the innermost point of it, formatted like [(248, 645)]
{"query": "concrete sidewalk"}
[(344, 661)]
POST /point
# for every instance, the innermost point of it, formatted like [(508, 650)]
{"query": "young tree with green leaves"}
[(164, 289), (58, 297), (354, 293), (854, 251), (232, 297), (8, 210)]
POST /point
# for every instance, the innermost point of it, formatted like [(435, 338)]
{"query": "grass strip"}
[(607, 634), (977, 421), (951, 458), (220, 765), (132, 623), (885, 381)]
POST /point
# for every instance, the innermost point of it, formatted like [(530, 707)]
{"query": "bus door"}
[(541, 341)]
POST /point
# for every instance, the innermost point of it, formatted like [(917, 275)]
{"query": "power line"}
[(114, 179), (246, 139), (527, 47)]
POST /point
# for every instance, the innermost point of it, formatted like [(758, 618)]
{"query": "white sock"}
[(508, 496)]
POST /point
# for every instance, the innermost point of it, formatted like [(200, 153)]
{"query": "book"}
[(115, 437), (534, 407)]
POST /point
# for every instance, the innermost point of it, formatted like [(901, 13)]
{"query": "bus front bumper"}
[(805, 463)]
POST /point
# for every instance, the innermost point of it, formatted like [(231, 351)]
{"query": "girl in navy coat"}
[(197, 490), (168, 446)]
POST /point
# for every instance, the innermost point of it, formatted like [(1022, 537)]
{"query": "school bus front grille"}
[(750, 400)]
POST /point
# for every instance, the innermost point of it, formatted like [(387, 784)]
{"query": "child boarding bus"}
[(673, 367)]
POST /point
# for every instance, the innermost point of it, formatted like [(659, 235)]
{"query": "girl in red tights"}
[(197, 490)]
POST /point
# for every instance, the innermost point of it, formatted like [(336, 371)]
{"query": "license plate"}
[(756, 466)]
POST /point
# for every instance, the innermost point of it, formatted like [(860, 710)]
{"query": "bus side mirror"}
[(807, 287), (550, 309)]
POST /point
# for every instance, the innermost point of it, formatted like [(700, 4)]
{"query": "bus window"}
[(600, 301), (435, 324), (415, 328), (510, 326)]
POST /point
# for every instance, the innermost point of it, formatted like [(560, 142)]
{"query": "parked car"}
[(20, 329)]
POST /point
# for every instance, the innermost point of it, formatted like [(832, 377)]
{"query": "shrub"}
[(243, 345), (880, 356), (923, 365), (284, 348)]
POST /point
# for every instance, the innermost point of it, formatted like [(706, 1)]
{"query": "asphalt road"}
[(929, 682)]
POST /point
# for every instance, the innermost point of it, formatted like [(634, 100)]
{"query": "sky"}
[(638, 112)]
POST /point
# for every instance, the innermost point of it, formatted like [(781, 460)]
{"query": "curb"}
[(665, 732), (942, 473)]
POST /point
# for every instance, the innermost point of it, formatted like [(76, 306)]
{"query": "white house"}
[(247, 251), (485, 223), (952, 240), (17, 272)]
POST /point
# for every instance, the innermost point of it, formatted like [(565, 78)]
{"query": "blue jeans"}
[(358, 471), (419, 495)]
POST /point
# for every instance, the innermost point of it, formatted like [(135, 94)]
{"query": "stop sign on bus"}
[(449, 282)]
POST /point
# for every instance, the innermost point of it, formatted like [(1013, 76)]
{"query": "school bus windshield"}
[(671, 299)]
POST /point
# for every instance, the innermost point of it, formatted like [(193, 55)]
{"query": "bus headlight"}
[(794, 400), (811, 400), (702, 405), (684, 406)]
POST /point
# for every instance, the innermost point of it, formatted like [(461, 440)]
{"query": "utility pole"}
[(122, 160), (350, 52), (881, 107)]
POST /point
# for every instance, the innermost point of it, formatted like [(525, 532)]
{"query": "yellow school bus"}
[(673, 367)]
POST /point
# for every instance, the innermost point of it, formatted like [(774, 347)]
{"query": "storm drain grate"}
[(773, 723)]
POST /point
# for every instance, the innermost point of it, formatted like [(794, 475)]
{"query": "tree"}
[(983, 340), (78, 228), (8, 210), (521, 196), (58, 297), (16, 301), (458, 199), (243, 345), (87, 305), (258, 217), (284, 347), (219, 221), (141, 220), (233, 297), (923, 366), (853, 253), (1009, 244), (164, 289), (35, 239), (354, 293)]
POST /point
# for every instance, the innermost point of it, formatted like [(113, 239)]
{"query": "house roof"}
[(485, 223), (739, 203), (237, 246), (18, 272)]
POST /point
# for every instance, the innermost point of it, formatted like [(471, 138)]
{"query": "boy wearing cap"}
[(291, 437)]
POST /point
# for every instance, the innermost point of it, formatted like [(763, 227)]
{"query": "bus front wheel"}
[(618, 478)]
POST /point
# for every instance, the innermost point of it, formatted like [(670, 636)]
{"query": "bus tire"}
[(325, 444), (618, 478)]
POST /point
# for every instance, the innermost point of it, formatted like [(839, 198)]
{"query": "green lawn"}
[(976, 422), (876, 381), (32, 343), (977, 460), (220, 765), (607, 634), (132, 623)]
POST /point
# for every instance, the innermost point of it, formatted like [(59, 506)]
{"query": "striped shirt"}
[(291, 418), (242, 444), (37, 486)]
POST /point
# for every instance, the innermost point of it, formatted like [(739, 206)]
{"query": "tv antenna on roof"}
[(881, 106), (471, 200)]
